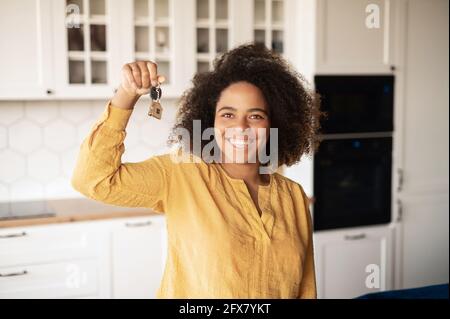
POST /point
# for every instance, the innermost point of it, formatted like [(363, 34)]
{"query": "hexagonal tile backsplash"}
[(40, 140)]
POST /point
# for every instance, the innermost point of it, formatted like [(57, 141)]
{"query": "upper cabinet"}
[(153, 24), (269, 23), (26, 55), (356, 36), (224, 24), (213, 26), (160, 31), (75, 49), (85, 48)]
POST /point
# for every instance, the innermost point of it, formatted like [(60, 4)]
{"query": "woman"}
[(234, 230)]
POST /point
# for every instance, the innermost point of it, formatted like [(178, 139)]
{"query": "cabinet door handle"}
[(400, 179), (14, 274), (22, 234), (400, 210), (355, 237), (138, 224)]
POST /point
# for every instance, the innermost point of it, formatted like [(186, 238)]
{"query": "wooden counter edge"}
[(20, 222)]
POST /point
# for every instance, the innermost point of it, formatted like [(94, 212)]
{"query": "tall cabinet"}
[(423, 257), (411, 43)]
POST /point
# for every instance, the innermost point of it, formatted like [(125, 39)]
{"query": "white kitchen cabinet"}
[(54, 261), (67, 279), (74, 49), (26, 55), (221, 25), (356, 36), (270, 23), (60, 49), (355, 261), (413, 37), (423, 148), (138, 257), (44, 244), (87, 60), (111, 258), (160, 31)]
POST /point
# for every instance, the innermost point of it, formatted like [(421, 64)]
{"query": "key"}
[(155, 107)]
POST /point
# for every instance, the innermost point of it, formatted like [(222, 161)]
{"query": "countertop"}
[(65, 211)]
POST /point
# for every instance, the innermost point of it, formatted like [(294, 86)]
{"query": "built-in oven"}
[(352, 182), (356, 103), (352, 168)]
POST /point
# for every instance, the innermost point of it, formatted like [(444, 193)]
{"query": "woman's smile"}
[(240, 142)]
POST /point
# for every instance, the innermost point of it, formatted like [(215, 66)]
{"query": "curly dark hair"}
[(293, 107)]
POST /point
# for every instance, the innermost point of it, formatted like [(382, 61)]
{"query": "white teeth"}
[(239, 143)]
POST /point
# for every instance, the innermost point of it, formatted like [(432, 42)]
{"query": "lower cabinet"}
[(71, 279), (115, 258), (138, 257), (353, 262), (125, 258)]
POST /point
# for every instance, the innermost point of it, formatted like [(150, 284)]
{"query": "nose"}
[(241, 125), (240, 128)]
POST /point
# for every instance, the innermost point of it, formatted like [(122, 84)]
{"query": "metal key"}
[(155, 107)]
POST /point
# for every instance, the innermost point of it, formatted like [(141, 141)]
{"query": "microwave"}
[(356, 103)]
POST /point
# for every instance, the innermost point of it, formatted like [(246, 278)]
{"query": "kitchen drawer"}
[(71, 279), (37, 245)]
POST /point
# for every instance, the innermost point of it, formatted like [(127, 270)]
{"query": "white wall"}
[(40, 140), (304, 48)]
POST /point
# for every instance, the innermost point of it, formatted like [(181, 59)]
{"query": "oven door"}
[(352, 182), (356, 104)]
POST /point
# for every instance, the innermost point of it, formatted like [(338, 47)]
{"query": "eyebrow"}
[(249, 110)]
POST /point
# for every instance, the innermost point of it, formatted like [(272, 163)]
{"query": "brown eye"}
[(256, 116), (227, 115)]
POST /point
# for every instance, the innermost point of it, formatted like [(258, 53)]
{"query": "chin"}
[(242, 157)]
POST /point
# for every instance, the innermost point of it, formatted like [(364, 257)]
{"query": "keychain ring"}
[(156, 92), (155, 106)]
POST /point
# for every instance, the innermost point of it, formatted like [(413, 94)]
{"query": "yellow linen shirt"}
[(218, 244)]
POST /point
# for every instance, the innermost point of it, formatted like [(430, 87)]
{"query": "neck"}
[(249, 172)]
